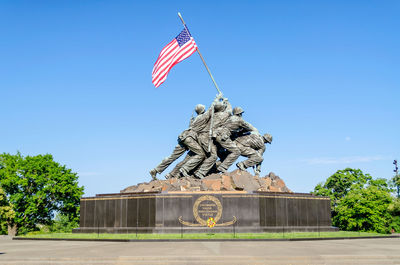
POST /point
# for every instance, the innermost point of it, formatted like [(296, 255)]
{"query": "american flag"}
[(176, 51)]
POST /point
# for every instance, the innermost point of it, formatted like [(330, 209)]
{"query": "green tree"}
[(340, 183), (358, 202), (365, 209), (395, 183), (62, 224), (7, 214), (38, 187), (394, 209)]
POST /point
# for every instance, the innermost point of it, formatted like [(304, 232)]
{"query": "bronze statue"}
[(187, 140), (217, 132), (223, 136), (252, 146), (222, 111)]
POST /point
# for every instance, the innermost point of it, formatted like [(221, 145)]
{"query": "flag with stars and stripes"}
[(180, 48)]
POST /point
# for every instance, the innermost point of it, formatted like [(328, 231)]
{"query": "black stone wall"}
[(294, 211), (254, 212), (117, 212)]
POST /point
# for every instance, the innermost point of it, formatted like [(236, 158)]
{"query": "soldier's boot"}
[(221, 169), (153, 174), (184, 172), (241, 166), (173, 174), (198, 175)]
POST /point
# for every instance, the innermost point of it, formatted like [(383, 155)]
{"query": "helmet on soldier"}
[(267, 138), (200, 108), (237, 111), (219, 106)]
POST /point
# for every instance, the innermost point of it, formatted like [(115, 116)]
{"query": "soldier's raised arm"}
[(228, 106)]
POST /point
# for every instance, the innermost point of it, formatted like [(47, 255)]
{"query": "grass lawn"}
[(203, 236)]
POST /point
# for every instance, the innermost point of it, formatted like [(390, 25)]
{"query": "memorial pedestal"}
[(188, 212)]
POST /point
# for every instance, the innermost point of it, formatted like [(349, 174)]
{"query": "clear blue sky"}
[(322, 77)]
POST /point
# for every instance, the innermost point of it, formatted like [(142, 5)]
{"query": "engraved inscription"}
[(205, 207), (208, 209)]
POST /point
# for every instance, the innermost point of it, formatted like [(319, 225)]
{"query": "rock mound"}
[(237, 180)]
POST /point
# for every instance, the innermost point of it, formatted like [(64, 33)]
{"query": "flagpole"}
[(201, 56)]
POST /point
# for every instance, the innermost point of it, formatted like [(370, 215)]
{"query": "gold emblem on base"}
[(205, 207)]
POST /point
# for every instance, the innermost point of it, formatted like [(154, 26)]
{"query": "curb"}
[(204, 240)]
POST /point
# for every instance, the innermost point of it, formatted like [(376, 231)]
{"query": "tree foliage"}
[(394, 209), (358, 202), (38, 187), (62, 224), (340, 183), (395, 183), (7, 213), (364, 209)]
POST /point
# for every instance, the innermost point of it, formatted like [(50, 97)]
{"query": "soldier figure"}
[(176, 173), (222, 111), (200, 126), (252, 146), (218, 126), (187, 140), (223, 136)]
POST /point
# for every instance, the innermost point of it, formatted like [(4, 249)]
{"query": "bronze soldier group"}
[(220, 132)]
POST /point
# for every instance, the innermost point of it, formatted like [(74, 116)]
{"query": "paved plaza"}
[(355, 251)]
